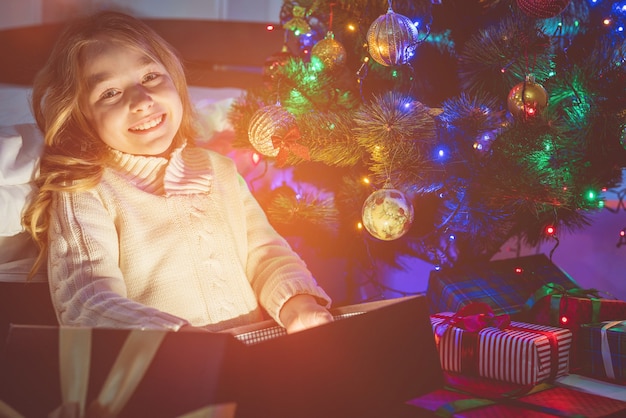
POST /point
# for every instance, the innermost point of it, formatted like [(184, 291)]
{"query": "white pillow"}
[(12, 202), (20, 151)]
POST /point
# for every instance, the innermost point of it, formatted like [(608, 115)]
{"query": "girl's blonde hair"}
[(73, 157)]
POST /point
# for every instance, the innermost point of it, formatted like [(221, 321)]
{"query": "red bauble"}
[(542, 9)]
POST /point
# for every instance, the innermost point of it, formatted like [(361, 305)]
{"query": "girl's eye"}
[(150, 77), (109, 94)]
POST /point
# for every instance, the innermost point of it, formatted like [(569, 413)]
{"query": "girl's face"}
[(130, 100)]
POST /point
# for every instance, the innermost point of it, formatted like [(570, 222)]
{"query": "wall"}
[(15, 13)]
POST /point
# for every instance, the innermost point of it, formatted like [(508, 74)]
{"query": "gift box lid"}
[(505, 285), (380, 354)]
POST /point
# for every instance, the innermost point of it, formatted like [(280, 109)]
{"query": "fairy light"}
[(269, 28), (519, 270), (550, 230), (255, 158)]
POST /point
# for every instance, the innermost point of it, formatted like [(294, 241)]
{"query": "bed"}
[(222, 59)]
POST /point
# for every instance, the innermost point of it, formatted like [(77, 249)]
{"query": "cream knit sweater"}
[(161, 243)]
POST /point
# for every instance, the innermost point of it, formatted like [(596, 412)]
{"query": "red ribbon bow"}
[(477, 316), (287, 144)]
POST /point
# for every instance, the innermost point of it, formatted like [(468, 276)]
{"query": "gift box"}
[(572, 308), (25, 303), (517, 352), (505, 285), (468, 397), (603, 350), (373, 357)]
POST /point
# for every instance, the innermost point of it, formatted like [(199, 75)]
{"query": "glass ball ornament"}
[(387, 213), (527, 99), (273, 64), (266, 123), (330, 52), (392, 39), (542, 9)]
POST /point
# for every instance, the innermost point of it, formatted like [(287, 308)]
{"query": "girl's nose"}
[(140, 99)]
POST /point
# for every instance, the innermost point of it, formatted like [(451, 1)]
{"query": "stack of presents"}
[(499, 339), (519, 337)]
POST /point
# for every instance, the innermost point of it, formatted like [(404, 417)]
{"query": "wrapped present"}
[(75, 372), (373, 356), (505, 285), (603, 350), (554, 305), (504, 350), (475, 397)]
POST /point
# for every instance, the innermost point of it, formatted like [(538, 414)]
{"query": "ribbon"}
[(475, 317), (7, 412), (287, 144), (298, 22), (605, 349), (558, 296), (128, 370), (74, 365)]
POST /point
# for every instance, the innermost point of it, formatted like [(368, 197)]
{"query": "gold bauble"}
[(392, 39), (266, 123), (527, 99), (330, 52)]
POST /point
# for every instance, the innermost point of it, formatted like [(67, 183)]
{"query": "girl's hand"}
[(302, 312)]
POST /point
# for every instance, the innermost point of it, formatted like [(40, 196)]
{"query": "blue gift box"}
[(505, 285), (603, 350)]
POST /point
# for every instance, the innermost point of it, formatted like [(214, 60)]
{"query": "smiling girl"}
[(140, 228)]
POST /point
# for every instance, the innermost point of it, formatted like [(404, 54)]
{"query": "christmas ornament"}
[(387, 213), (392, 39), (266, 123), (274, 62), (273, 132), (330, 52), (527, 98), (298, 23), (542, 9)]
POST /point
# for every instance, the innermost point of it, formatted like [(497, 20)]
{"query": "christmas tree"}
[(439, 129)]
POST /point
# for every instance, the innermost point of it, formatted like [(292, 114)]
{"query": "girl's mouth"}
[(152, 123)]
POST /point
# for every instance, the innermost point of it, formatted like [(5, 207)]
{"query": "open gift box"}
[(373, 357)]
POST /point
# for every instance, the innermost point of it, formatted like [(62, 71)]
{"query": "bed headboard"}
[(216, 53)]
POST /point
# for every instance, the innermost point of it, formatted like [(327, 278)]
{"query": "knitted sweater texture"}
[(160, 243)]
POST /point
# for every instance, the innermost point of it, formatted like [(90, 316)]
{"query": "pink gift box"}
[(520, 353)]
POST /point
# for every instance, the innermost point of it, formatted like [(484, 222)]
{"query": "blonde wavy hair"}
[(74, 157)]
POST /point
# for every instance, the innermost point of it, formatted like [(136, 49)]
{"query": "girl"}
[(140, 228)]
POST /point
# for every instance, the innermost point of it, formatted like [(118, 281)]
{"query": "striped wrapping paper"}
[(521, 353)]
